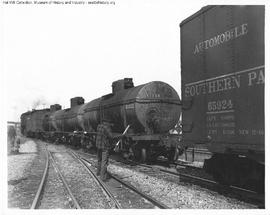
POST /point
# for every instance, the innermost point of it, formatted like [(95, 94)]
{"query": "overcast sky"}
[(55, 52)]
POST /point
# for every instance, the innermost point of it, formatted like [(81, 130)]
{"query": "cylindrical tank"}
[(89, 115), (66, 120), (37, 119), (33, 121), (149, 108), (49, 123)]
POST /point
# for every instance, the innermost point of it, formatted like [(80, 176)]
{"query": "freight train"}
[(148, 111), (222, 75), (222, 71)]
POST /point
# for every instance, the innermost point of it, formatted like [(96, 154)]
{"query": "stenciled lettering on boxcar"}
[(222, 107), (244, 78), (226, 36)]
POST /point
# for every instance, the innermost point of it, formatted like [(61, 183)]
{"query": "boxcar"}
[(222, 74)]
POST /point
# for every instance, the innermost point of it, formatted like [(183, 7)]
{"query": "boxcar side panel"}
[(222, 60)]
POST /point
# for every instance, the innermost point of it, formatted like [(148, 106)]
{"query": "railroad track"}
[(100, 182), (38, 197), (42, 182), (183, 164), (179, 163), (244, 194), (154, 202), (240, 193), (195, 155), (199, 151), (74, 200), (42, 201)]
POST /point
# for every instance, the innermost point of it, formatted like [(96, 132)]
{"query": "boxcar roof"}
[(198, 13)]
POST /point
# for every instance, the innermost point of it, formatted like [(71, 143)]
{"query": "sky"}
[(52, 53), (55, 52)]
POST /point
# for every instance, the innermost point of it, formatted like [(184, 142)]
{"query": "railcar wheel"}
[(135, 151), (140, 153), (143, 155), (174, 154)]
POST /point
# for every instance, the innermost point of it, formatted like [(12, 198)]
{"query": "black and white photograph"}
[(139, 105)]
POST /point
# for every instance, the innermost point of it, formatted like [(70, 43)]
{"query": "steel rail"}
[(237, 190), (149, 198), (187, 165), (97, 180), (129, 186), (232, 188), (199, 151), (42, 182), (65, 182), (249, 194)]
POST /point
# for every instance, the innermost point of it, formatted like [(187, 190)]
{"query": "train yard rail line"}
[(245, 194), (42, 182), (240, 193), (185, 164), (55, 174), (153, 201), (149, 198), (76, 204), (102, 185), (38, 197), (67, 179)]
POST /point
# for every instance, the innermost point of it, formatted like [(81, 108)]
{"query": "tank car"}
[(24, 126), (32, 123), (222, 70), (149, 111)]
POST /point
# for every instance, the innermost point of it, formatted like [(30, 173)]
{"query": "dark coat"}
[(104, 136)]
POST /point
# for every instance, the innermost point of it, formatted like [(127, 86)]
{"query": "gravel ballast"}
[(25, 171), (84, 188), (26, 168), (54, 194), (177, 195)]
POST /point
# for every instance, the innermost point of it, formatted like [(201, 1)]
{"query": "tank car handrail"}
[(169, 101), (131, 101)]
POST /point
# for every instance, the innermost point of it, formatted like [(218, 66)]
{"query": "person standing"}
[(11, 138), (17, 144), (103, 143)]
